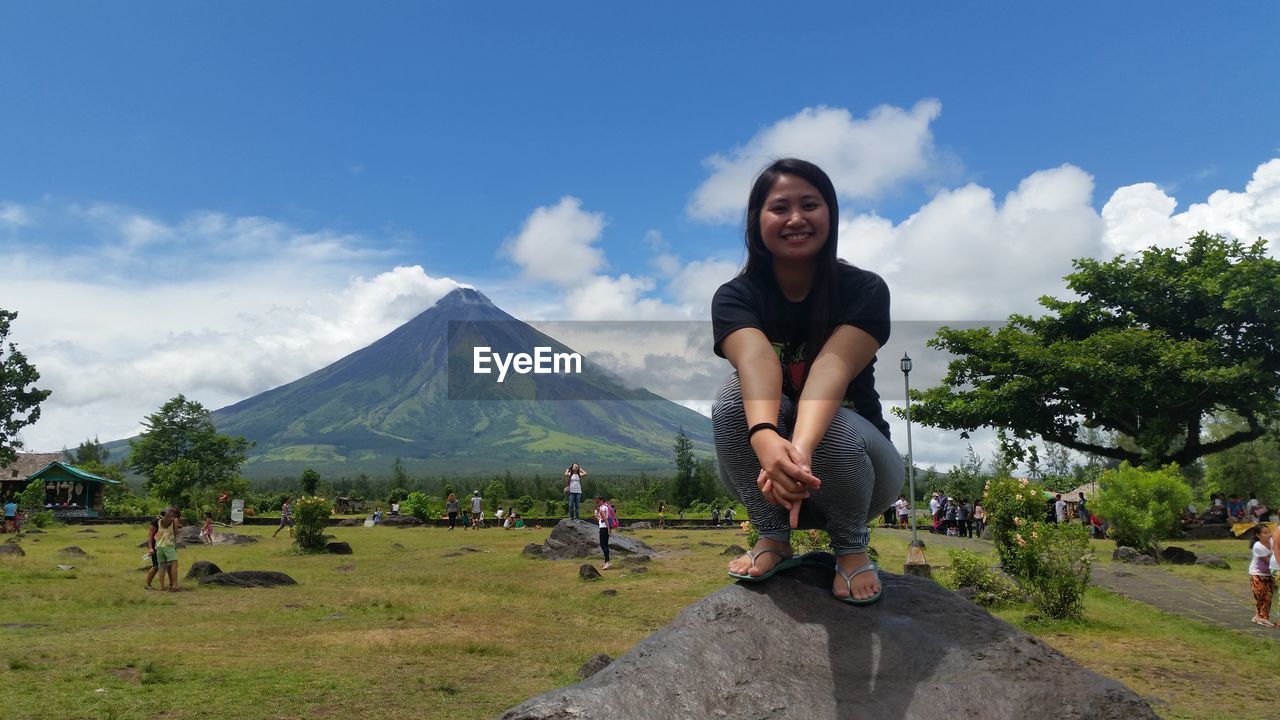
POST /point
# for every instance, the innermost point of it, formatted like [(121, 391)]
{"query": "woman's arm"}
[(846, 353), (786, 476)]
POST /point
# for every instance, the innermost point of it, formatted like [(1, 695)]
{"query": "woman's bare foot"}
[(768, 553), (863, 585)]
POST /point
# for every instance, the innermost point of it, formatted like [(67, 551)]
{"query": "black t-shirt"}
[(861, 300)]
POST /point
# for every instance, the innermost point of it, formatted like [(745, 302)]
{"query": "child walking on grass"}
[(206, 532)]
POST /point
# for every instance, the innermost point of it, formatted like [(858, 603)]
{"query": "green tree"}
[(399, 476), (494, 493), (686, 487), (180, 450), (308, 481), (1153, 346), (19, 399), (31, 498), (89, 451), (1250, 467), (966, 479)]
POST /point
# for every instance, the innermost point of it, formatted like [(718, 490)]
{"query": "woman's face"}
[(794, 221)]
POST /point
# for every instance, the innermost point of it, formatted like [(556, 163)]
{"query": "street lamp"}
[(916, 563)]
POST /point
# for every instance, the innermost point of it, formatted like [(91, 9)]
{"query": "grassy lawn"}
[(427, 623)]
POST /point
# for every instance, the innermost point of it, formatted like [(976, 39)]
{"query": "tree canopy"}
[(19, 399), (1153, 346), (181, 450)]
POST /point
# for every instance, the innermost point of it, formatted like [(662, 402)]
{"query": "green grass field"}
[(427, 623)]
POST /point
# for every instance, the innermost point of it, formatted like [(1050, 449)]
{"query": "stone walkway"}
[(1228, 604)]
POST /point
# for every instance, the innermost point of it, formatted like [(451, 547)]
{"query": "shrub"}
[(422, 506), (42, 519), (1063, 560), (310, 518), (524, 504), (969, 569), (1141, 506)]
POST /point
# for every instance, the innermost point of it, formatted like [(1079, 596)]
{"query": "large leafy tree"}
[(19, 399), (181, 450), (1154, 345)]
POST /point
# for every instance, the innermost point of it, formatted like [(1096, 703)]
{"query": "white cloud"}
[(963, 256), (557, 244), (863, 157), (219, 308), (14, 215), (1139, 216)]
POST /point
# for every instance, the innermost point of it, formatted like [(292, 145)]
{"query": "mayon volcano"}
[(415, 395)]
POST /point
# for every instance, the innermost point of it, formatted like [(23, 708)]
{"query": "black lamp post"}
[(916, 563)]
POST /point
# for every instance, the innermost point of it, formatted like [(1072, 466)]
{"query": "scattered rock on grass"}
[(249, 579), (532, 550), (1214, 562), (73, 551), (734, 550), (609, 593), (12, 550), (633, 559), (1178, 556), (598, 662), (87, 531), (202, 568), (588, 572), (339, 548)]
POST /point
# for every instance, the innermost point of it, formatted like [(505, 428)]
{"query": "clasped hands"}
[(786, 477)]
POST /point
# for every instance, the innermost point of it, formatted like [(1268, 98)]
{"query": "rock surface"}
[(202, 568), (400, 521), (533, 550), (572, 539), (588, 572), (786, 649), (73, 551), (249, 579), (339, 548), (598, 662), (190, 535), (12, 550), (1213, 561), (1178, 556)]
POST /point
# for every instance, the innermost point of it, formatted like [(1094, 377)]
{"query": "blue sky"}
[(215, 198)]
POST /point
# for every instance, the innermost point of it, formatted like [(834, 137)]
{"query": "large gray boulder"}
[(575, 539), (786, 648)]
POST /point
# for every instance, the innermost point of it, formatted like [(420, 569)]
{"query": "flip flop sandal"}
[(784, 563), (848, 583), (1264, 623)]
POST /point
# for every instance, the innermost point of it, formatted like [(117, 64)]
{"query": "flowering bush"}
[(1051, 562), (310, 518), (1012, 505), (1141, 506)]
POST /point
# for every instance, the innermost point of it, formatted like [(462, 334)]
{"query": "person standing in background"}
[(573, 488)]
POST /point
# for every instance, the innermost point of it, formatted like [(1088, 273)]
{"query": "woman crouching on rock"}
[(799, 434)]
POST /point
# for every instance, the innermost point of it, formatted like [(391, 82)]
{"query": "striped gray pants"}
[(860, 469)]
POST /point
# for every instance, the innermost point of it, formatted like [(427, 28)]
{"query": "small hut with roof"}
[(15, 476), (70, 491)]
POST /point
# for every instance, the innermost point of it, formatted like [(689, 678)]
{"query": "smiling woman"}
[(799, 433)]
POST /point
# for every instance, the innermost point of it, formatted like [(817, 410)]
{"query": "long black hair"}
[(759, 267)]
